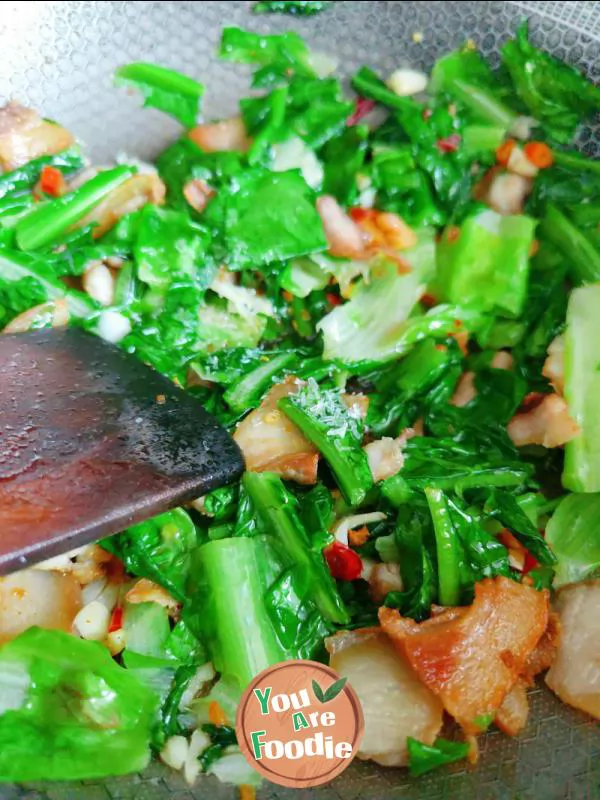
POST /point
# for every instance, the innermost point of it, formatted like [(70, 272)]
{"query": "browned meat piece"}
[(471, 658)]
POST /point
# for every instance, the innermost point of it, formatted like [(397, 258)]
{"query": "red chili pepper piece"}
[(450, 144), (529, 563), (344, 564), (116, 621), (333, 299), (358, 214), (52, 181), (364, 106)]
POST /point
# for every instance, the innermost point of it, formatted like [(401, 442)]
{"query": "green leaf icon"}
[(318, 692), (334, 689), (331, 693)]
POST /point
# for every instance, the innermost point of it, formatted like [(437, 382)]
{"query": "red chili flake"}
[(360, 214), (427, 113), (529, 563), (450, 144), (116, 621), (457, 323), (428, 300), (364, 106), (333, 299), (344, 564)]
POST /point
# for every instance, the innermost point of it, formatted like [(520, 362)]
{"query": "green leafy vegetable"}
[(247, 584), (221, 504), (582, 382), (184, 161), (558, 96), (582, 253), (487, 265), (343, 158), (423, 758), (267, 217), (171, 247), (506, 509), (402, 187), (574, 537), (159, 549), (465, 75), (231, 589), (416, 546), (221, 737), (278, 55), (26, 281), (65, 702), (449, 554), (165, 89), (25, 177), (276, 510), (247, 392), (435, 136), (337, 432), (374, 324), (442, 464), (299, 7), (50, 220)]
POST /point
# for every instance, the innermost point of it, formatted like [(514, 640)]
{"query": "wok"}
[(59, 57)]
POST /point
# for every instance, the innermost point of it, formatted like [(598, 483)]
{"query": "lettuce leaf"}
[(69, 711), (266, 217), (487, 265), (573, 534)]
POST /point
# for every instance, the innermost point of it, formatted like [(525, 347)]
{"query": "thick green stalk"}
[(482, 138), (368, 84), (448, 549), (573, 244), (582, 389), (577, 161), (277, 512), (241, 638), (346, 458), (54, 218)]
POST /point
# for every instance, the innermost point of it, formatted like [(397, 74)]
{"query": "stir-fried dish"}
[(392, 300)]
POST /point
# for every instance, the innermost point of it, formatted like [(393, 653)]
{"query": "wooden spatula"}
[(91, 441)]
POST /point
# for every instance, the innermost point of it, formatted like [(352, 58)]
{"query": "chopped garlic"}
[(112, 326), (92, 621), (406, 82), (520, 164), (203, 675), (99, 283), (191, 768), (175, 752), (294, 154), (522, 127)]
